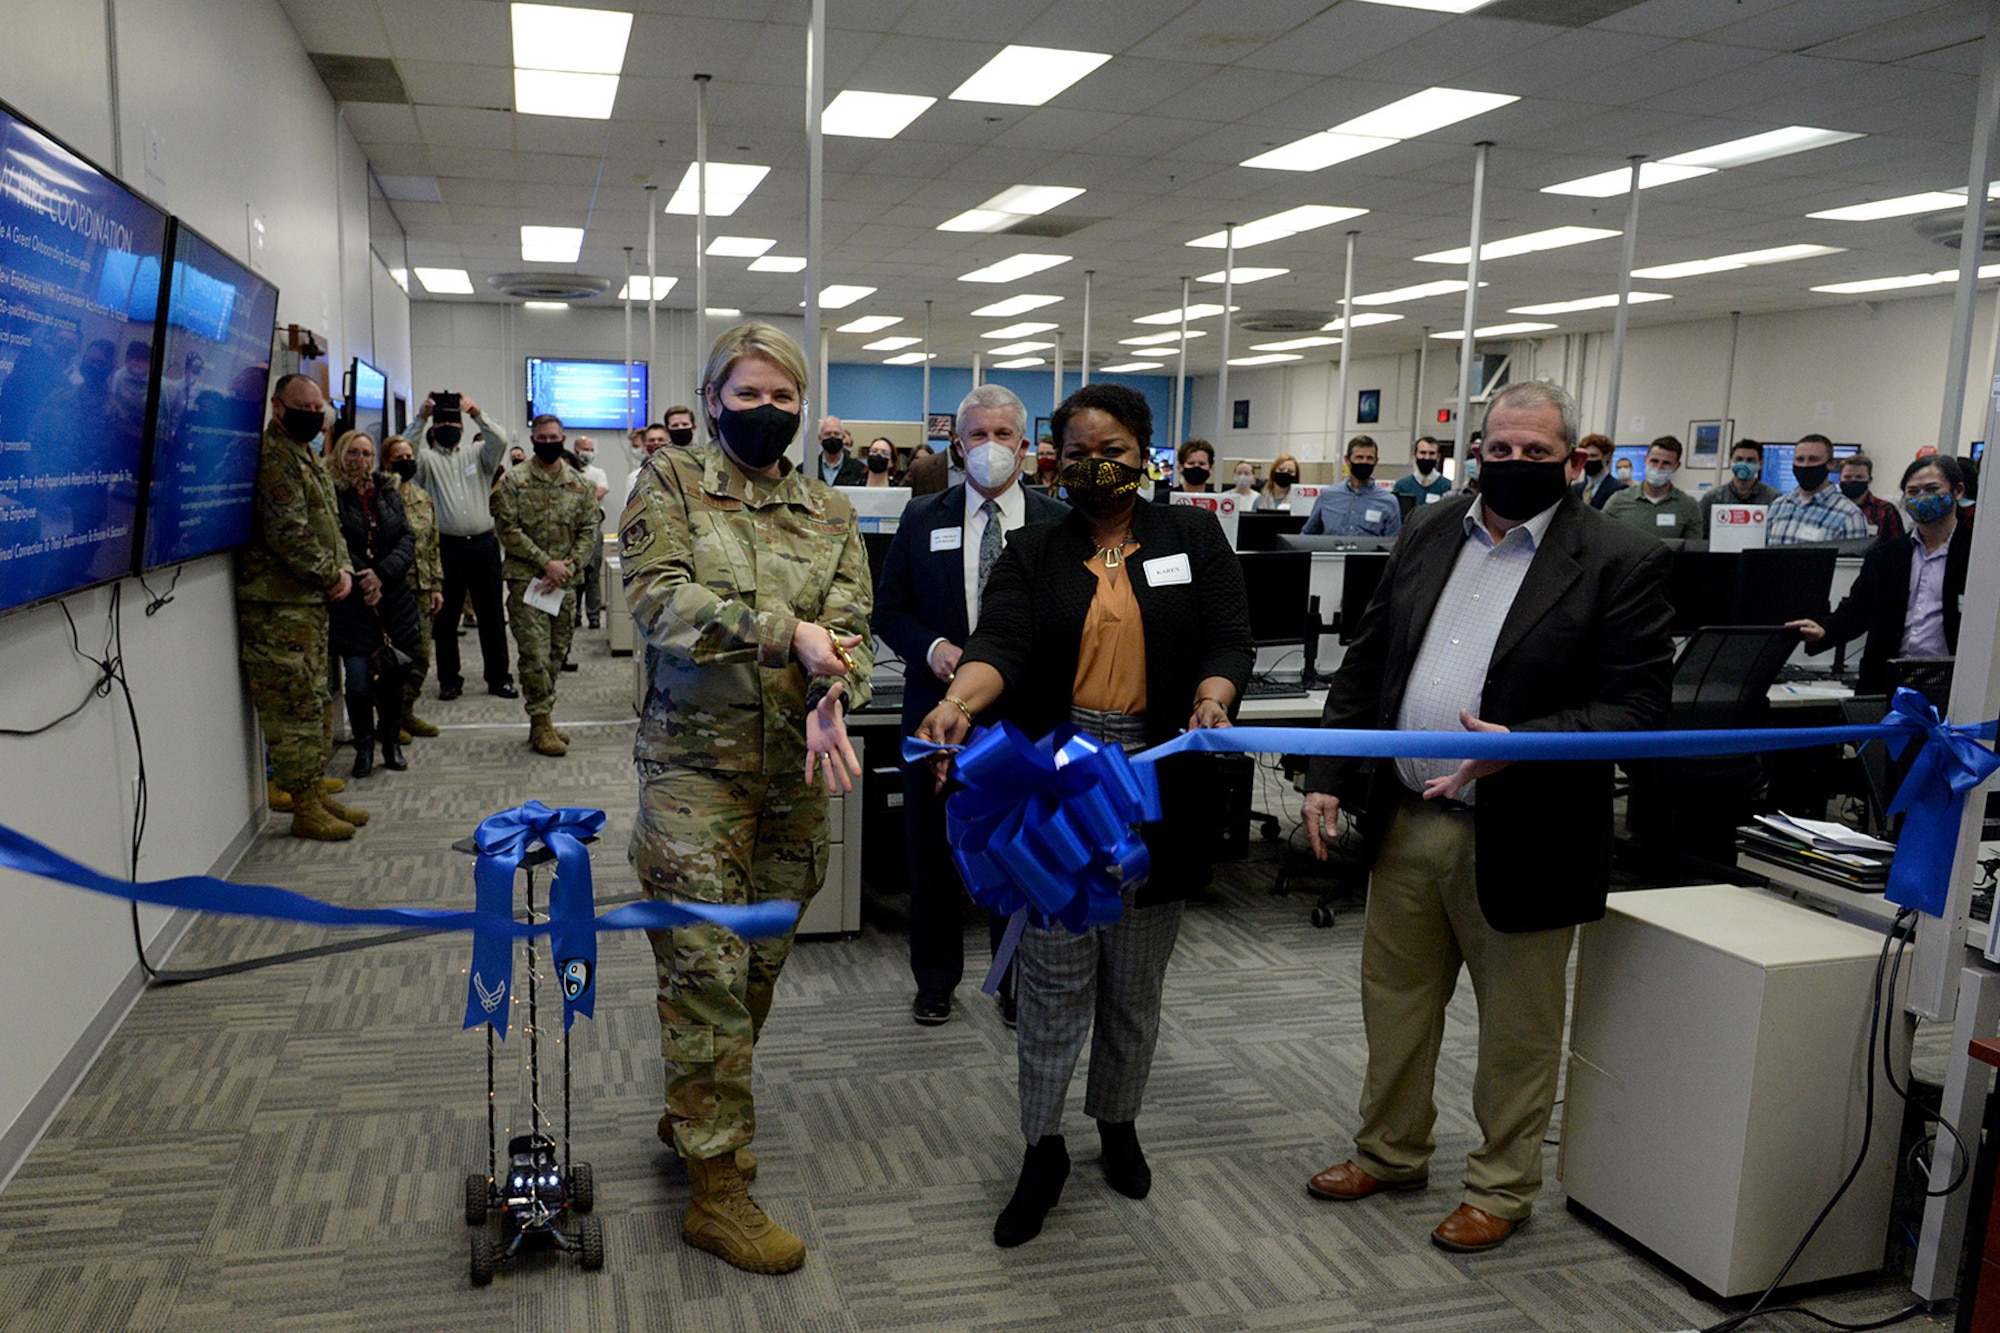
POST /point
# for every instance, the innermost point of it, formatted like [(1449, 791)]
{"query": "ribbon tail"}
[(572, 939), (490, 984), (1004, 955)]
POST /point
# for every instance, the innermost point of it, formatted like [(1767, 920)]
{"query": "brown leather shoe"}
[(1470, 1230), (1348, 1182)]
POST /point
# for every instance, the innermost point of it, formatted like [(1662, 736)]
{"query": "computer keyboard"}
[(1275, 687)]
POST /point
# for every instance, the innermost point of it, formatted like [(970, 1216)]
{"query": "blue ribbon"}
[(503, 839), (1949, 767)]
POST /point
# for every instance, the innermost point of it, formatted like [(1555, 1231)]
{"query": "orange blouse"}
[(1111, 660)]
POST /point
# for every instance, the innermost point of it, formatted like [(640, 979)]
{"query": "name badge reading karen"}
[(947, 539), (1167, 571)]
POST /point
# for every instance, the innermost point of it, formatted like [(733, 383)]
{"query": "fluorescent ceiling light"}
[(1367, 317), (1555, 238), (1013, 205), (1027, 75), (895, 344), (1014, 305), (1020, 363), (1585, 303), (1424, 112), (562, 37), (907, 359), (1496, 331), (1277, 226), (1155, 339), (546, 92), (1931, 201), (444, 281), (1194, 312), (1316, 152), (1021, 330), (723, 312), (1294, 344), (1015, 349), (869, 324), (1015, 268), (840, 295), (1758, 147), (1435, 6), (729, 184), (1694, 268), (778, 264), (1268, 358), (551, 245), (739, 247), (859, 115), (635, 289), (1619, 179), (1443, 287), (1123, 366), (1240, 275), (545, 305), (1941, 277)]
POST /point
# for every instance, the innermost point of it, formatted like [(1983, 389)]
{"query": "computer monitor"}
[(1776, 584), (1407, 503), (1279, 584), (878, 544), (1702, 587), (1361, 576), (1928, 676), (1320, 541), (1260, 532)]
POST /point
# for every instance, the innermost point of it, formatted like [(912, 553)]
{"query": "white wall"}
[(235, 117)]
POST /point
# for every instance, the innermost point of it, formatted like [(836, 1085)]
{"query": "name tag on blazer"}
[(1167, 570), (947, 539)]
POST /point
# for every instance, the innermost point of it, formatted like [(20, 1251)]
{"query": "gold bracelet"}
[(959, 704)]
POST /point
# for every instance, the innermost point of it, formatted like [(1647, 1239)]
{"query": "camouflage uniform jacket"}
[(427, 574), (542, 517), (719, 569), (295, 552)]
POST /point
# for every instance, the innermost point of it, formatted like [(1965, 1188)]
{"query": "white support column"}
[(628, 348), (1222, 368), (925, 415), (1971, 235), (1174, 436), (1471, 305), (1722, 440), (701, 213), (1417, 403), (1083, 361), (1055, 355), (1346, 341), (815, 194), (652, 297), (1624, 301), (976, 380)]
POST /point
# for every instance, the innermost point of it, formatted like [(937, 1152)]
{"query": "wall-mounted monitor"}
[(214, 382), (367, 402), (81, 255), (587, 395)]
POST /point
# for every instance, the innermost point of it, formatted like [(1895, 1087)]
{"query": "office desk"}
[(1808, 694)]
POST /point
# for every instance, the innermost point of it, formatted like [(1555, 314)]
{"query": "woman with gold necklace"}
[(1128, 620)]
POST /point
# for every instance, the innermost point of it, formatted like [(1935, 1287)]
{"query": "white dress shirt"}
[(1012, 513)]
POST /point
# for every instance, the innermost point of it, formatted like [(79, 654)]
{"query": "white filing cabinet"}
[(617, 615), (836, 910), (1715, 1087)]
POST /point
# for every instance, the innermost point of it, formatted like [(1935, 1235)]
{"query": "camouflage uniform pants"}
[(284, 650), (541, 645), (721, 838), (420, 660)]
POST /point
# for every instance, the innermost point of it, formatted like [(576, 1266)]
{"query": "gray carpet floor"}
[(285, 1149)]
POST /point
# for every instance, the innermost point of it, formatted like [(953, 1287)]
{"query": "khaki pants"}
[(1423, 922)]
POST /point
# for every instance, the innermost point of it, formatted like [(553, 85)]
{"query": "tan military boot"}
[(276, 797), (312, 819), (333, 786), (561, 735), (346, 812), (723, 1219), (416, 726), (543, 736)]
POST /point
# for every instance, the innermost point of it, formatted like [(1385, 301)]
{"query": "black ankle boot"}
[(1124, 1162), (364, 757), (361, 722), (392, 753), (1043, 1172)]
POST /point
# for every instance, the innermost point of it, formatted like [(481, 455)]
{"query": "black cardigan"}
[(380, 540), (1878, 605), (1031, 631)]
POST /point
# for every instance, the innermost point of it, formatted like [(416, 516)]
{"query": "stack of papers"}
[(1829, 851)]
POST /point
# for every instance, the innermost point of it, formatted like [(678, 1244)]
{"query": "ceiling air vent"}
[(1948, 228), (1557, 13), (549, 286), (1284, 321), (360, 78), (1048, 226)]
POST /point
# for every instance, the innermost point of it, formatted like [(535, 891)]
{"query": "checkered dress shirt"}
[(1824, 516)]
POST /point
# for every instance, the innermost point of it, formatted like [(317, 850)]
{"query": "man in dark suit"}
[(1519, 609), (836, 464), (1901, 615), (933, 472), (1597, 485), (925, 608)]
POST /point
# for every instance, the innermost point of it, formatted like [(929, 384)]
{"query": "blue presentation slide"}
[(79, 285), (208, 428), (587, 395)]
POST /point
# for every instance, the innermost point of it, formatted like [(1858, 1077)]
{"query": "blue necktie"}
[(989, 543)]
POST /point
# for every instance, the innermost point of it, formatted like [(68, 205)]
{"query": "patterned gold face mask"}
[(1095, 482)]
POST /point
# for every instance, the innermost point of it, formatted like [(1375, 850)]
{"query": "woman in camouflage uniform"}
[(750, 585)]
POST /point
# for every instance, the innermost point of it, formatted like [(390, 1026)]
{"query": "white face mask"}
[(584, 456), (1659, 476), (992, 464), (1244, 481)]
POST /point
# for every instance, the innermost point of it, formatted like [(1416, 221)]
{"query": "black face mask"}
[(1284, 478), (1100, 483), (547, 451), (1361, 472), (878, 463), (446, 437), (759, 435), (1810, 476), (681, 435), (406, 468), (832, 446), (301, 424), (1517, 489), (1426, 466), (1592, 467), (1854, 490), (1195, 476)]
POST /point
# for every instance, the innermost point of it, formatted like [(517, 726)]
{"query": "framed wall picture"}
[(1368, 408), (939, 425), (1241, 418), (1704, 442)]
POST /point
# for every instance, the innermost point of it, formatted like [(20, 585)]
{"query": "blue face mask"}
[(1745, 470), (1929, 508)]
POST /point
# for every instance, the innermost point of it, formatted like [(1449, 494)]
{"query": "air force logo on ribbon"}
[(575, 978), (489, 1000)]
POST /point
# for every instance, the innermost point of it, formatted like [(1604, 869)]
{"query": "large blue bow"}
[(503, 839), (1047, 827), (1931, 800)]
